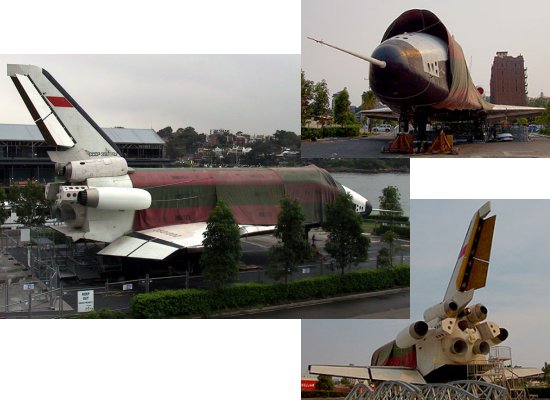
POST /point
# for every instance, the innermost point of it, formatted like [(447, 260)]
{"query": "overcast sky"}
[(481, 27), (256, 94), (516, 294)]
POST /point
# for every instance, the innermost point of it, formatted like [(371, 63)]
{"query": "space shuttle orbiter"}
[(451, 334), (154, 213)]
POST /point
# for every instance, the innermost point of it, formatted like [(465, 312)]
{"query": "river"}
[(370, 185)]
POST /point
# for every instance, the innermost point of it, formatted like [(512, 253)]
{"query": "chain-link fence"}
[(50, 271)]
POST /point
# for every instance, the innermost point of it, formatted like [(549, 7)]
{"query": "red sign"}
[(308, 384)]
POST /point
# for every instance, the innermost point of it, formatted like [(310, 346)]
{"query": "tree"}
[(391, 200), (222, 248), (546, 371), (346, 242), (165, 133), (389, 238), (184, 141), (324, 382), (368, 100), (544, 118), (383, 258), (346, 382), (307, 98), (4, 212), (293, 247), (342, 114), (287, 139), (320, 107), (29, 203)]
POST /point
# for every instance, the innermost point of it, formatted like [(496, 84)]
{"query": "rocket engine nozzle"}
[(481, 347), (443, 310), (478, 313), (411, 334), (501, 337), (459, 346)]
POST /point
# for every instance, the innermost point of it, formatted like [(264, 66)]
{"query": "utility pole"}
[(30, 303), (6, 305), (61, 299)]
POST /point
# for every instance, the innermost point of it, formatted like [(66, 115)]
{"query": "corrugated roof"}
[(117, 135)]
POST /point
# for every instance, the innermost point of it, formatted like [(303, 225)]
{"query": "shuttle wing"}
[(500, 111), (159, 243), (408, 375), (472, 265), (382, 113)]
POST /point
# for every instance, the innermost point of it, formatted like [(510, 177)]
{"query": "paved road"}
[(537, 146), (385, 306), (348, 148)]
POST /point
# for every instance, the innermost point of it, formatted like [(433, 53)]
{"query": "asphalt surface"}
[(349, 148), (384, 306), (537, 146)]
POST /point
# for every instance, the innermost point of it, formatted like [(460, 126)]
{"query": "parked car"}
[(382, 128), (504, 137)]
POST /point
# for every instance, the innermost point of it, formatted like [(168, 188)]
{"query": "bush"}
[(315, 394), (404, 232), (541, 392), (394, 218), (104, 313), (189, 302), (333, 131)]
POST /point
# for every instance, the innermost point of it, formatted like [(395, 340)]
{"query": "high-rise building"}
[(508, 80)]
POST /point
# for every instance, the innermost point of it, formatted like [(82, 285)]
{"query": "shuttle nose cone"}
[(403, 76), (368, 207)]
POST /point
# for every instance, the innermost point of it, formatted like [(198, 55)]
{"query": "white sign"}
[(306, 270), (127, 286), (28, 286), (85, 300)]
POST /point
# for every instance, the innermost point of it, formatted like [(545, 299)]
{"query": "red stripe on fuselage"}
[(59, 101)]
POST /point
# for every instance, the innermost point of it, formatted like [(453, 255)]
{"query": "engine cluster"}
[(460, 336)]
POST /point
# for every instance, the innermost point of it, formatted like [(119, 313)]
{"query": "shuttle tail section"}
[(472, 265), (62, 122)]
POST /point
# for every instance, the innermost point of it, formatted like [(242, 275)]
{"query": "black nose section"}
[(403, 77), (368, 207), (396, 55)]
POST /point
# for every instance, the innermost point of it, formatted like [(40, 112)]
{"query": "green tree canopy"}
[(391, 200), (293, 247), (320, 107), (307, 98), (368, 100), (29, 203), (4, 212), (287, 139), (182, 142), (346, 242), (390, 237), (342, 114), (544, 118), (222, 248), (324, 382)]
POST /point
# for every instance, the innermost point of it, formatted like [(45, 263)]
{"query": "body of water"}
[(371, 185)]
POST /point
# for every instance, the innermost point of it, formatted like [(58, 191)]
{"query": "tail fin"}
[(472, 265), (60, 119)]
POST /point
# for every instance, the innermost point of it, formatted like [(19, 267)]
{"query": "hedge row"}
[(394, 218), (190, 302), (315, 394), (403, 232), (541, 392), (333, 131)]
